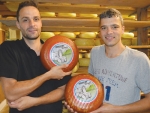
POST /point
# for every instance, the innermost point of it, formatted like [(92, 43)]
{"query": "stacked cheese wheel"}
[(84, 93), (47, 14), (84, 42), (59, 50), (87, 35), (46, 35), (75, 69), (70, 35), (128, 35), (67, 15), (88, 15)]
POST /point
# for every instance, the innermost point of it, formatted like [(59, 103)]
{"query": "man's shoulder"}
[(97, 48), (136, 54), (10, 44)]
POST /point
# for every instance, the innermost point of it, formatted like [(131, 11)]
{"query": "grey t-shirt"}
[(123, 77)]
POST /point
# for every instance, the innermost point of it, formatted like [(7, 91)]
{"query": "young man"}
[(124, 72), (27, 85)]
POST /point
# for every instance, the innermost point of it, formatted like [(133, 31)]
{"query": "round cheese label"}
[(85, 91), (61, 53)]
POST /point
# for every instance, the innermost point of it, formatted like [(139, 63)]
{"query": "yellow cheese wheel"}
[(127, 42), (97, 41), (70, 35), (134, 41), (84, 61), (87, 55), (47, 14), (80, 55), (128, 35), (70, 15), (88, 15), (127, 17), (75, 69), (57, 33), (84, 42), (46, 35), (76, 33), (87, 35)]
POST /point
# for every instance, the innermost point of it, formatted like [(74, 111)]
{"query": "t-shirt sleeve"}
[(143, 77), (8, 65)]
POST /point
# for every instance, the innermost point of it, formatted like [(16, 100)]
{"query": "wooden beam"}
[(130, 3), (63, 8), (142, 32), (75, 22)]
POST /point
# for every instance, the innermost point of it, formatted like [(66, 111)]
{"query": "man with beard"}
[(28, 86)]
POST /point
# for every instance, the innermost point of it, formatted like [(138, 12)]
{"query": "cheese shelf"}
[(72, 24)]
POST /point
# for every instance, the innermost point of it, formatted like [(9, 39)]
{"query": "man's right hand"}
[(57, 72)]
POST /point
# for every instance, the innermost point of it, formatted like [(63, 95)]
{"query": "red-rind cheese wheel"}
[(59, 50), (84, 93)]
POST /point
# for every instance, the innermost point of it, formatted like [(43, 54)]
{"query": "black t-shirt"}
[(20, 62)]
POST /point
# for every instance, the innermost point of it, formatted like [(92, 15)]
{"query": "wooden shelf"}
[(131, 3), (63, 24)]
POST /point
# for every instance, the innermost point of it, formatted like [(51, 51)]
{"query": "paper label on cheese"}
[(61, 53), (85, 91)]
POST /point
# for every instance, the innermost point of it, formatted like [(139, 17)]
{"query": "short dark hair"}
[(25, 4), (111, 13)]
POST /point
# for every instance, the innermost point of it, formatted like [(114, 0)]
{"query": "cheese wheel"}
[(56, 33), (97, 41), (47, 14), (127, 42), (87, 35), (59, 50), (84, 93), (127, 17), (84, 61), (88, 15), (70, 15), (46, 35), (70, 35), (127, 35), (76, 33), (80, 55), (134, 41), (84, 42), (75, 69), (87, 55)]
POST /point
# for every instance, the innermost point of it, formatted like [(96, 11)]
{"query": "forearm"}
[(141, 106), (53, 96), (15, 89)]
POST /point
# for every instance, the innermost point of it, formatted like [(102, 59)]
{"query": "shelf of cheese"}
[(72, 24)]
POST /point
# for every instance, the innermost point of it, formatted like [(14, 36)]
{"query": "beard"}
[(30, 38)]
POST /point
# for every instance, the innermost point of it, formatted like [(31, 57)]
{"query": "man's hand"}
[(23, 103), (105, 108), (69, 108), (57, 72)]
